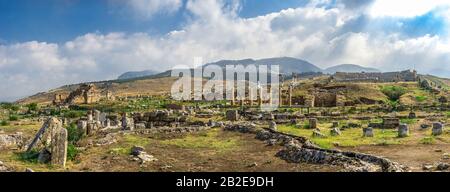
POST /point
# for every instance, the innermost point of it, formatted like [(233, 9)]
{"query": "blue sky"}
[(48, 43), (63, 20)]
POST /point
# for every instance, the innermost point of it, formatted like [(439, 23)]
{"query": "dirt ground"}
[(249, 155)]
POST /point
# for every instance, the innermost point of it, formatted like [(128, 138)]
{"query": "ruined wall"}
[(376, 77), (324, 99)]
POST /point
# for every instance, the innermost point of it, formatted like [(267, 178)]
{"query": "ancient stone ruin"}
[(52, 141), (375, 77)]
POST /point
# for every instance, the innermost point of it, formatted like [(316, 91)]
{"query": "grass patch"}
[(349, 137), (393, 92), (205, 140), (408, 121), (427, 141), (421, 98)]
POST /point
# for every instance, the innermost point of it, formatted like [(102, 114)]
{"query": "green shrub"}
[(73, 134), (393, 92), (306, 125), (74, 114), (32, 107), (31, 156), (4, 123), (72, 152), (13, 118)]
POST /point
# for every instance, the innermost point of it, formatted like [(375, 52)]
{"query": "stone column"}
[(312, 123), (403, 130), (290, 96), (260, 99), (96, 115), (89, 116), (368, 132), (232, 96), (437, 129), (270, 96), (59, 148), (250, 94)]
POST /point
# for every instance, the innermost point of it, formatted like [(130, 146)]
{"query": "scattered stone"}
[(12, 140), (140, 126), (389, 123), (273, 125), (232, 115), (438, 150), (253, 165), (368, 132), (137, 150), (442, 166), (271, 142), (412, 115), (312, 123), (335, 124), (424, 126), (139, 154), (293, 121), (335, 131), (427, 167), (446, 156), (29, 170), (44, 156), (403, 130), (318, 134), (437, 129), (4, 168)]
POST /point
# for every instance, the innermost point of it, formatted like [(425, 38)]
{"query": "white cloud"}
[(148, 8), (216, 32), (405, 8)]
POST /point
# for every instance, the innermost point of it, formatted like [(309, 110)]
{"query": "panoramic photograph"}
[(225, 86)]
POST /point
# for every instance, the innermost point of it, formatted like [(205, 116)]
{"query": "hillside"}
[(350, 68), (136, 74)]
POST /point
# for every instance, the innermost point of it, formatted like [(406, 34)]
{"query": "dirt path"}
[(413, 156)]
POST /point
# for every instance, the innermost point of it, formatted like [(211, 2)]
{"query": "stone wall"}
[(376, 77)]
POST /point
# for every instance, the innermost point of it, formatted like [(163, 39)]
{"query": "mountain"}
[(136, 74), (287, 65), (349, 68)]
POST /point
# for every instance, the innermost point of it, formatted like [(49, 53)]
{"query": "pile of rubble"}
[(12, 141), (300, 149)]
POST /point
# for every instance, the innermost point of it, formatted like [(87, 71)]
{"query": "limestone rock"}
[(273, 125), (403, 130), (59, 148), (335, 131), (437, 129), (141, 155), (442, 166), (318, 134), (335, 124), (368, 132), (44, 156), (232, 115), (312, 123), (11, 140), (136, 150)]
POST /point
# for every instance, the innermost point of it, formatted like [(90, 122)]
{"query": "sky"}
[(49, 43)]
